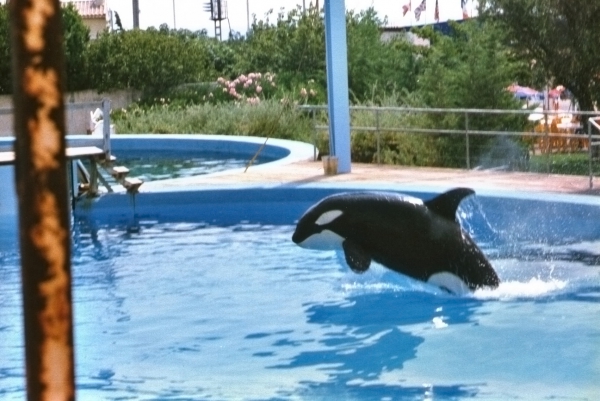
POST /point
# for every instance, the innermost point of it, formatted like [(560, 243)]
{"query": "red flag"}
[(463, 4), (406, 8), (436, 14)]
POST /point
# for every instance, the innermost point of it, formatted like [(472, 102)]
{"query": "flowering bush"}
[(250, 88), (304, 94)]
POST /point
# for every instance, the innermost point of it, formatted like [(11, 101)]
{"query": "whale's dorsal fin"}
[(356, 257), (446, 204)]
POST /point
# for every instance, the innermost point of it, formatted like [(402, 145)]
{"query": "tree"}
[(294, 48), (5, 57), (152, 61), (76, 39), (375, 67), (470, 68), (561, 36)]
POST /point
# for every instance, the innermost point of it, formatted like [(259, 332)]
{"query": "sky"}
[(190, 14)]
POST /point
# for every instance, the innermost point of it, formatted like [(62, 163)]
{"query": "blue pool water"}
[(218, 303), (161, 165)]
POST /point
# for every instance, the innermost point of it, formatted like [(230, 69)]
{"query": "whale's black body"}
[(422, 240)]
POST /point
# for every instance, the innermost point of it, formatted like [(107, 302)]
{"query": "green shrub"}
[(152, 61), (5, 52), (572, 164), (268, 118)]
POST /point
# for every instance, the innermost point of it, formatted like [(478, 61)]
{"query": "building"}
[(389, 33), (94, 14)]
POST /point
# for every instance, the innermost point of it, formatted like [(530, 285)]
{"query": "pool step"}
[(119, 172), (109, 175), (132, 184)]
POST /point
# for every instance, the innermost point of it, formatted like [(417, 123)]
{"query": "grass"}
[(567, 163), (269, 118)]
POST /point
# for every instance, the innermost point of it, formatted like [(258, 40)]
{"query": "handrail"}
[(453, 131), (68, 106), (593, 139), (457, 110), (76, 140), (592, 122)]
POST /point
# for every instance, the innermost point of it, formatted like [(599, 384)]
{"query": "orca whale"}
[(419, 239)]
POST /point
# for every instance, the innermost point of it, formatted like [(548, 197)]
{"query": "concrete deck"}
[(308, 172)]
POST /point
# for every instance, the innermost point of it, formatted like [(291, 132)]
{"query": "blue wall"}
[(8, 210), (542, 219)]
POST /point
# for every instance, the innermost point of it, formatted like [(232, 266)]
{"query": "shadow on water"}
[(365, 339)]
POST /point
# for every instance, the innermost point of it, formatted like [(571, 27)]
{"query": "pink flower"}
[(258, 89), (253, 100)]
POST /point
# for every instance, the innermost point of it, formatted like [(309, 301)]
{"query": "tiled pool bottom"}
[(189, 311)]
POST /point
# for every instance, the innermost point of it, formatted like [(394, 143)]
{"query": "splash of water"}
[(510, 290), (474, 221)]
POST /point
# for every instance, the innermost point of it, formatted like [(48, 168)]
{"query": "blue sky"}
[(190, 14)]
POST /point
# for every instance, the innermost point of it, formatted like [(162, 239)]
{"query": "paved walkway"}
[(312, 172)]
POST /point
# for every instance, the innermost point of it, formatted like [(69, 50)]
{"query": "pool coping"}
[(299, 169)]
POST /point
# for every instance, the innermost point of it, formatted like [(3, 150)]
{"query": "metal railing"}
[(541, 140), (592, 123), (76, 140)]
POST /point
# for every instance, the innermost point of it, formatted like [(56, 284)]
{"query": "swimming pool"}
[(201, 294), (158, 157)]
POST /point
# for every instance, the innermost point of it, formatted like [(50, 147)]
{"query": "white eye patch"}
[(328, 217)]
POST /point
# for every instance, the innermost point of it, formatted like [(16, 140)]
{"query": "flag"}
[(406, 8), (422, 7), (463, 5), (436, 14)]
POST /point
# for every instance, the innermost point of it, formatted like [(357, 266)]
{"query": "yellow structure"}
[(94, 14)]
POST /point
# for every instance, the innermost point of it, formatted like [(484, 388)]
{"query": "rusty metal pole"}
[(41, 177)]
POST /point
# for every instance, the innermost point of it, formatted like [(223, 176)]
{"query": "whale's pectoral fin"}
[(356, 257), (446, 204)]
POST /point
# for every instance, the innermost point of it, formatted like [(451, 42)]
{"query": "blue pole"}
[(337, 83)]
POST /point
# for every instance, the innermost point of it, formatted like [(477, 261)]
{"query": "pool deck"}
[(309, 172)]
